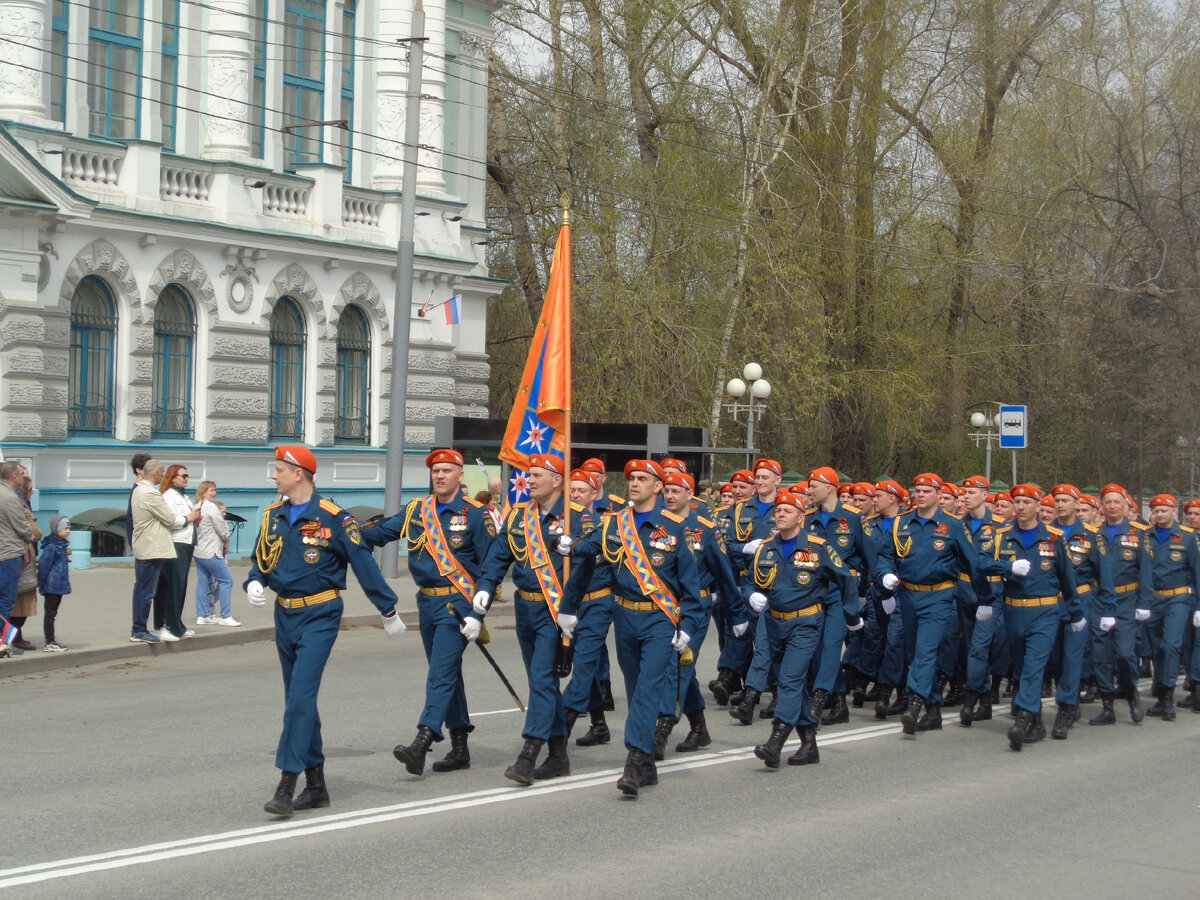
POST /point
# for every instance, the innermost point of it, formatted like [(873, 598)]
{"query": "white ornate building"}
[(199, 212)]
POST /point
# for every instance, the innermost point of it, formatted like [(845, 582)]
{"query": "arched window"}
[(93, 341), (353, 376), (287, 370), (174, 343)]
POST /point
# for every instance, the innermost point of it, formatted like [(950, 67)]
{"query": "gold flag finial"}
[(564, 201)]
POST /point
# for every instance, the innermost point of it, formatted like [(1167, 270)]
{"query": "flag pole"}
[(565, 201)]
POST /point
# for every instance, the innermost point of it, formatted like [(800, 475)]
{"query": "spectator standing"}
[(491, 507), (27, 581), (15, 534), (171, 593), (212, 543), (54, 578), (152, 524)]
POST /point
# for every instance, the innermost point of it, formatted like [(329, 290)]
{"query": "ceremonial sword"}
[(488, 656)]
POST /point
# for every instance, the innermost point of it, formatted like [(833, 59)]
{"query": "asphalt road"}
[(147, 777)]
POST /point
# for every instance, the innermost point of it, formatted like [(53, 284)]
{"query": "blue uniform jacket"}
[(468, 529), (983, 535), (812, 573), (933, 551), (315, 553), (1088, 550), (716, 572), (53, 572), (1175, 563), (844, 533), (1131, 562), (510, 547), (1051, 573)]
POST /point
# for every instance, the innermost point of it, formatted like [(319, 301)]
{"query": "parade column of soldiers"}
[(957, 587)]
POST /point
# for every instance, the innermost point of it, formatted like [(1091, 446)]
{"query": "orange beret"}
[(671, 463), (680, 479), (792, 498), (1066, 490), (1047, 501), (976, 481), (801, 486), (769, 464), (1090, 500), (551, 462), (300, 457), (588, 478), (742, 476), (1163, 500), (1001, 495), (1191, 504), (892, 487), (825, 475), (864, 487), (1031, 491), (1112, 488), (594, 465), (928, 479), (727, 486), (643, 465), (443, 456), (949, 487), (844, 490)]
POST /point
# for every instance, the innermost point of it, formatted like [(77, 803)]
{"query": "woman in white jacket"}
[(172, 580), (212, 543)]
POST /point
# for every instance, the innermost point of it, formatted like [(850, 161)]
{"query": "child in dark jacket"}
[(54, 578)]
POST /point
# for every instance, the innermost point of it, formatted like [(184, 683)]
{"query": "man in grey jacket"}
[(15, 533), (152, 525)]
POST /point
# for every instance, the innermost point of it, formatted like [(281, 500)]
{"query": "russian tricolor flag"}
[(8, 633), (454, 310)]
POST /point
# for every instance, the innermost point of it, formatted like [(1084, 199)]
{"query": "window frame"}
[(352, 378), (84, 327), (171, 344), (286, 358)]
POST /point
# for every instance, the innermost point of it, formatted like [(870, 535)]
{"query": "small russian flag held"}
[(454, 310), (8, 633)]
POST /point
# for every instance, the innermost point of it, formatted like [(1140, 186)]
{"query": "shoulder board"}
[(516, 508), (274, 506), (330, 507), (814, 539), (614, 498), (872, 517), (707, 523), (1057, 532), (473, 502), (667, 514), (1140, 526), (1094, 529), (1188, 528), (850, 507), (578, 507), (956, 518), (1004, 529)]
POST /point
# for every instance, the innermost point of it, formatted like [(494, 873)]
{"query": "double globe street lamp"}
[(758, 388)]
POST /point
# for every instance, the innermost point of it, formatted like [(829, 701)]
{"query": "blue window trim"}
[(60, 27), (258, 119), (353, 377), (173, 341), (294, 35), (90, 409), (287, 366), (349, 23), (110, 39), (169, 109)]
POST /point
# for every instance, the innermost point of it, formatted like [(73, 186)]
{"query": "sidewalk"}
[(94, 619)]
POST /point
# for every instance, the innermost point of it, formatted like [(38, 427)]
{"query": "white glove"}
[(1021, 567), (393, 624), (751, 548), (563, 547), (566, 624), (757, 601), (255, 594), (1196, 619), (857, 626), (1141, 615), (480, 602), (1079, 626), (983, 613), (889, 605), (1107, 623), (740, 629), (470, 628), (680, 641), (890, 582)]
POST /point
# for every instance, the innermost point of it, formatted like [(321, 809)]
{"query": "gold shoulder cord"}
[(611, 558), (413, 546), (902, 551), (268, 549), (764, 578), (742, 534), (519, 555)]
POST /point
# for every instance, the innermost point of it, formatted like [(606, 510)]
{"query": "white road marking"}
[(493, 712), (245, 837)]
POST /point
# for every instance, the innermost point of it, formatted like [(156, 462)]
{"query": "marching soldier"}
[(302, 551), (986, 644), (890, 495), (527, 543), (797, 578), (1175, 566), (447, 537)]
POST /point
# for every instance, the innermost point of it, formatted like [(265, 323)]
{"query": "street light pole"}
[(759, 389)]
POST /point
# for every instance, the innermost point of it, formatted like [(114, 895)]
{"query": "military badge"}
[(311, 556), (939, 545), (657, 559), (1047, 565), (351, 525), (843, 540), (456, 541), (1127, 554), (1176, 556), (803, 577)]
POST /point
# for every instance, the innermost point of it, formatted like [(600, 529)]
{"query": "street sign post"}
[(1013, 427)]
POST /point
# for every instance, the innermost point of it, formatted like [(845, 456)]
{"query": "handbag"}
[(28, 579)]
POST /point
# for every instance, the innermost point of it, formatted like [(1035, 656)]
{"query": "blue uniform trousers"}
[(833, 638), (1166, 625), (764, 671), (738, 652), (893, 665), (1114, 653), (445, 694), (644, 653), (925, 615), (691, 701), (1072, 645), (538, 637), (1031, 634), (954, 644), (794, 643), (988, 653), (866, 653), (304, 638), (583, 693)]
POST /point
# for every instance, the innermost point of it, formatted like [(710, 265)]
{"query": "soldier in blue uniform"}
[(681, 691), (922, 556), (796, 579), (656, 588), (890, 496), (527, 543), (1043, 579), (1175, 566), (447, 537), (1088, 551), (302, 551), (604, 503), (987, 647)]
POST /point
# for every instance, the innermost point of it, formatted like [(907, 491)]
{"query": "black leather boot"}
[(631, 778), (808, 754), (820, 700), (608, 704), (838, 713), (459, 756), (662, 732), (1062, 722), (908, 721), (744, 711), (873, 693), (281, 804), (1088, 694), (940, 687), (413, 755), (983, 713), (736, 697), (697, 735), (1017, 730), (769, 752), (1157, 709), (1106, 715), (596, 734), (900, 704), (1167, 696), (856, 683), (957, 692), (994, 696), (768, 711), (1036, 730), (970, 699), (649, 770), (932, 720), (572, 717), (556, 762), (522, 770), (315, 795), (1137, 712), (881, 704), (727, 682)]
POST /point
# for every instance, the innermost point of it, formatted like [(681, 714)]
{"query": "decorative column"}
[(430, 177), (228, 75), (391, 77), (23, 24)]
